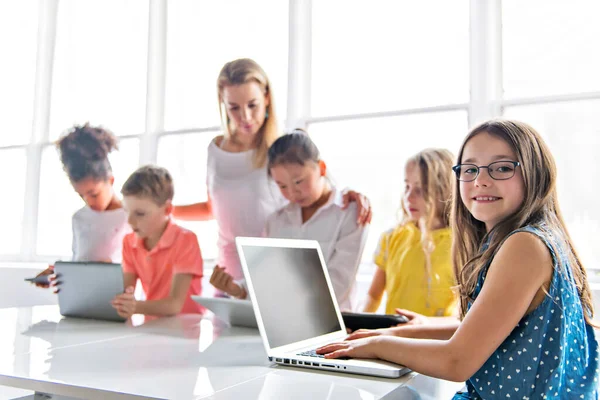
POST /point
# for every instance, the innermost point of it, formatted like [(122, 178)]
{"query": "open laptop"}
[(86, 289), (295, 305), (234, 312)]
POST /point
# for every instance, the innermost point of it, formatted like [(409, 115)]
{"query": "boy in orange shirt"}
[(164, 256)]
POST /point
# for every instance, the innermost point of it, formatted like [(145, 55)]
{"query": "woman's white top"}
[(98, 235), (242, 198), (341, 239)]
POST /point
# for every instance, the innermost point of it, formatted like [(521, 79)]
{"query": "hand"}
[(224, 282), (125, 303), (47, 271), (364, 333), (413, 317), (363, 204), (360, 348)]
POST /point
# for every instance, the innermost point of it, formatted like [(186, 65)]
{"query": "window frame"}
[(485, 101)]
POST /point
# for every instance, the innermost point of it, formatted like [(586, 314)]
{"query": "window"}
[(380, 75), (550, 47), (185, 158), (100, 66), (388, 55), (203, 36), (18, 41), (374, 153), (572, 131), (13, 164)]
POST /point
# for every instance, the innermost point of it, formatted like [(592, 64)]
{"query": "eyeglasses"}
[(499, 170)]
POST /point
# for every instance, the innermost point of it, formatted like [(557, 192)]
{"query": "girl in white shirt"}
[(98, 227), (314, 212)]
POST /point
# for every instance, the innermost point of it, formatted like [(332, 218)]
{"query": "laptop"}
[(295, 306), (234, 312), (86, 289)]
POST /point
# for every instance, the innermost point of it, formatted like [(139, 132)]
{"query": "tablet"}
[(354, 321), (86, 289), (234, 312)]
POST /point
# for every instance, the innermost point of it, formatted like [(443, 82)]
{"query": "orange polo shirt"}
[(177, 252)]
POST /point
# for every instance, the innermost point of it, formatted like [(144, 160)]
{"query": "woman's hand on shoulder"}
[(363, 206)]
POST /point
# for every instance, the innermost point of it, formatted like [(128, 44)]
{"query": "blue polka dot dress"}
[(552, 353)]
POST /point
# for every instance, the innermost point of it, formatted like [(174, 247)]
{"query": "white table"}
[(183, 357)]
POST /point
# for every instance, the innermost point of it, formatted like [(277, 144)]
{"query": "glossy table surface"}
[(183, 357)]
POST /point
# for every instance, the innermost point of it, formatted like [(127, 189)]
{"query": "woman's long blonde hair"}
[(238, 72), (435, 168), (539, 208)]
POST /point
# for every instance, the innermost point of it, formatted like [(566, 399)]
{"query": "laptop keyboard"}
[(311, 353)]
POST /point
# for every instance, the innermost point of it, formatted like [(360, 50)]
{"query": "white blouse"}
[(341, 239), (98, 235), (242, 198)]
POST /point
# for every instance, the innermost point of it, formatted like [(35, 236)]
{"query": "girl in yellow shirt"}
[(414, 259)]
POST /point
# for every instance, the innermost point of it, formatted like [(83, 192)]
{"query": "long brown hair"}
[(539, 208), (435, 168), (238, 72)]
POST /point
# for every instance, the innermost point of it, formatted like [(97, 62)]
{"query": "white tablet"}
[(234, 312)]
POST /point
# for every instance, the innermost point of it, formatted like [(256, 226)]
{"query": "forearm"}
[(238, 290), (436, 331), (372, 303), (160, 308), (129, 280), (443, 320), (430, 357), (193, 212)]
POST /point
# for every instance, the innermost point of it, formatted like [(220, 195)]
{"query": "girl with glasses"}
[(526, 306)]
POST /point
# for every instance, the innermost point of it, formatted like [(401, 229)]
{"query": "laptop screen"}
[(291, 293)]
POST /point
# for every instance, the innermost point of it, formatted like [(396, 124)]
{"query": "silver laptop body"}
[(86, 289), (295, 306)]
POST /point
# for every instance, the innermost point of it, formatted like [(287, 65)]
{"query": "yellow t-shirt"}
[(400, 254)]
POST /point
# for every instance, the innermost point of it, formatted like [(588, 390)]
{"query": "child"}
[(98, 227), (415, 265), (525, 300), (165, 257), (314, 212)]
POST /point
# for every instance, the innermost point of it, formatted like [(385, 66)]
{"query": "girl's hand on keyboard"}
[(363, 333), (360, 348)]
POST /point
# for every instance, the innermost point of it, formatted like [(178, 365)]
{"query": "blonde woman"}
[(413, 259), (240, 194)]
